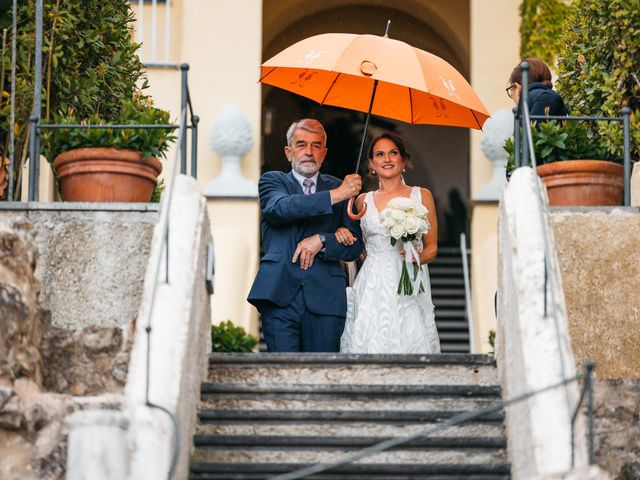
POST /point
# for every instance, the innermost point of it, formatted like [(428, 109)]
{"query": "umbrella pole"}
[(366, 125), (350, 211)]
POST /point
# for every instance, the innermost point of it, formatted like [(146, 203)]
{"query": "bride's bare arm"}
[(430, 240)]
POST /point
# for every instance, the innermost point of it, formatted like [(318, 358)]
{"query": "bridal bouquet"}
[(405, 220)]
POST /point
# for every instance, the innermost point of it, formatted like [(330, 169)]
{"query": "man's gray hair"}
[(310, 125)]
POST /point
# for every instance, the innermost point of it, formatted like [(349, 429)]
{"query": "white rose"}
[(424, 226), (388, 222), (421, 210), (398, 215), (403, 203), (411, 224), (396, 231)]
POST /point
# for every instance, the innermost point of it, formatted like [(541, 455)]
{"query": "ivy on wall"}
[(599, 65), (541, 27)]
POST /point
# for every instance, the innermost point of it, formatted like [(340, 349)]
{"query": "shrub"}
[(89, 64), (599, 67), (226, 337)]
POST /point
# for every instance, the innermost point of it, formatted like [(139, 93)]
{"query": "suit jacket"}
[(289, 216)]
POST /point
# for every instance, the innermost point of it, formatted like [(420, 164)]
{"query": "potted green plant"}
[(574, 163), (89, 66), (109, 165)]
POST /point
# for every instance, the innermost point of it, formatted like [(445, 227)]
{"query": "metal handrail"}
[(464, 252), (397, 441)]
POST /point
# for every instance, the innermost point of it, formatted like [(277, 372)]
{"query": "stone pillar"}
[(97, 445), (235, 215)]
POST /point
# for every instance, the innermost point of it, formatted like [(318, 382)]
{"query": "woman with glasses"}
[(542, 99)]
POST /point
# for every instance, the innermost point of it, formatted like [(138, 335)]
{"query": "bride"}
[(379, 320)]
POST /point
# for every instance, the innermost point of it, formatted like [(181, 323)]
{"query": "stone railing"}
[(532, 345)]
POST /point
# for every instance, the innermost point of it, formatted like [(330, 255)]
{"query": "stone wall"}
[(71, 280), (617, 427), (599, 256), (90, 260)]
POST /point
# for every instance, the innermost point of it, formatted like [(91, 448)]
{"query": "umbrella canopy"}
[(348, 70)]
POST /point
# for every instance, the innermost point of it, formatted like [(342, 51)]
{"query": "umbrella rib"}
[(476, 119), (267, 74), (329, 89), (411, 104)]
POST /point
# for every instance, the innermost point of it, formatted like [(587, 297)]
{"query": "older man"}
[(300, 286)]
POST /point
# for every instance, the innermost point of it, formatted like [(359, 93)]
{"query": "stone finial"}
[(494, 133), (231, 138)]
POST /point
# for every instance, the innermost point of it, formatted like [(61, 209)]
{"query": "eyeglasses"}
[(509, 90)]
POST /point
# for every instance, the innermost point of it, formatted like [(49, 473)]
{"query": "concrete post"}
[(97, 445)]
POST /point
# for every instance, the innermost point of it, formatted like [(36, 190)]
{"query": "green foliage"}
[(555, 141), (599, 67), (492, 341), (157, 191), (226, 337), (541, 28), (89, 63), (150, 142)]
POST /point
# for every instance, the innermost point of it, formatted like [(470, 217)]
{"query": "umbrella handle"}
[(353, 215)]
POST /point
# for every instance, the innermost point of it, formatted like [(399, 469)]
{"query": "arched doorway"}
[(440, 154)]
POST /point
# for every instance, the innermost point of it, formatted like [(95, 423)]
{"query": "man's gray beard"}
[(306, 170)]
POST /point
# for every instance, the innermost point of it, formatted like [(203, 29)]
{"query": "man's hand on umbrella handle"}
[(307, 250), (350, 187)]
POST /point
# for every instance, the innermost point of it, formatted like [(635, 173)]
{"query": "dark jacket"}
[(289, 216), (541, 97)]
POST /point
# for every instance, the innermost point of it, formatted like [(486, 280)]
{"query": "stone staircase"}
[(268, 414), (447, 292)]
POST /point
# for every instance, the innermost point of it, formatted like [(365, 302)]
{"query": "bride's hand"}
[(344, 236)]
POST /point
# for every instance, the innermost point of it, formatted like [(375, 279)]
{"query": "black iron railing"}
[(522, 138)]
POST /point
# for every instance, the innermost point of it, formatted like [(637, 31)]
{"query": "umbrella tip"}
[(386, 31)]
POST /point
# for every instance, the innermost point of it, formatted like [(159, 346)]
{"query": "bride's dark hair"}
[(398, 140)]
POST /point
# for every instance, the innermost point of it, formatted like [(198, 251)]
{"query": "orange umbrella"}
[(377, 75)]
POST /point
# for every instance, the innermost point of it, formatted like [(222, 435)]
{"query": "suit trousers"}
[(293, 328)]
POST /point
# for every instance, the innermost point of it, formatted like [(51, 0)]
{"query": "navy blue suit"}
[(301, 310)]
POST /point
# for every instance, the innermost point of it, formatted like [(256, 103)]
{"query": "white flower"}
[(398, 214), (424, 226), (421, 210), (403, 203), (411, 224), (387, 221), (396, 231)]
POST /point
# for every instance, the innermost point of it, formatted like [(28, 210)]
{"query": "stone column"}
[(235, 215), (97, 445)]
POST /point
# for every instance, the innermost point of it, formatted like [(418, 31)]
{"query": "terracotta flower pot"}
[(106, 175), (583, 182)]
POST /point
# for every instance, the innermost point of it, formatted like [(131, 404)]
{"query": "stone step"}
[(347, 397), (447, 260), (344, 428), (300, 441), (447, 270), (454, 347), (437, 292), (456, 325), (243, 454), (439, 282), (448, 302), (311, 402), (341, 369), (382, 416), (358, 471)]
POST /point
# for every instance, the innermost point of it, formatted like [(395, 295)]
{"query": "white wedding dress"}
[(378, 319)]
